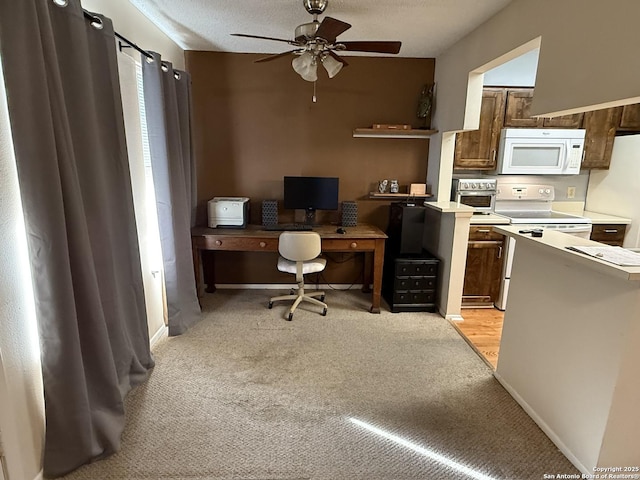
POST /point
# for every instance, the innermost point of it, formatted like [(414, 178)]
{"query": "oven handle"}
[(484, 243)]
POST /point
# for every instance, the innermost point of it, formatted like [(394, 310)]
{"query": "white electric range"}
[(529, 206)]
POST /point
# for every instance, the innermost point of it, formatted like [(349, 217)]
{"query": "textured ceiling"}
[(425, 27)]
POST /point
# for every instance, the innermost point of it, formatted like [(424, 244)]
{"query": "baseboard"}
[(543, 426), (452, 317), (281, 286), (162, 332), (39, 476)]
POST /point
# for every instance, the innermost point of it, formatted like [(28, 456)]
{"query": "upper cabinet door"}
[(601, 131), (518, 113), (478, 149), (565, 121), (630, 120), (518, 109)]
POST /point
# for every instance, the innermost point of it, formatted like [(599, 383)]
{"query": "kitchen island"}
[(570, 348)]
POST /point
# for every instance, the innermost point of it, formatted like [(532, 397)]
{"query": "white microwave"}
[(540, 151)]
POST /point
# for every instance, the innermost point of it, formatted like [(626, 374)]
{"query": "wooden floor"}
[(482, 328)]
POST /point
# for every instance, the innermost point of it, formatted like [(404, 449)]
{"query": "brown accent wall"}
[(256, 123)]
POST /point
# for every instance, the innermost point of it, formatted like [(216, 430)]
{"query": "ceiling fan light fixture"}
[(305, 65), (331, 65)]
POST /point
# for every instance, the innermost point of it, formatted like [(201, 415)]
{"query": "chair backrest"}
[(299, 246)]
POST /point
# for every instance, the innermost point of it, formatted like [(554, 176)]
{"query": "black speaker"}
[(349, 214), (406, 227), (269, 212)]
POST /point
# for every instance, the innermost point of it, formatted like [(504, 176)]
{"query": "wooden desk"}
[(363, 238)]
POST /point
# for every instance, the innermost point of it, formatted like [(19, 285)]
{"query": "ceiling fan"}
[(316, 42)]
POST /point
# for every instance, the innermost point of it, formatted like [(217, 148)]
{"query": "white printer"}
[(228, 212)]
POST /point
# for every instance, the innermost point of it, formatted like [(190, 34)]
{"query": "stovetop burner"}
[(531, 204), (547, 216)]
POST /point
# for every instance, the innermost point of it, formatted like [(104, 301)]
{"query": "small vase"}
[(394, 188)]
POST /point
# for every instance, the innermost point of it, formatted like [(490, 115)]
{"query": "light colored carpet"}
[(247, 395)]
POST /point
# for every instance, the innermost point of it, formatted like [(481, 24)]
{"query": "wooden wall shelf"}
[(398, 196), (389, 133)]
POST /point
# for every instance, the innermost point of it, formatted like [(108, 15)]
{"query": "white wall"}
[(519, 72), (615, 191), (582, 64), (129, 22)]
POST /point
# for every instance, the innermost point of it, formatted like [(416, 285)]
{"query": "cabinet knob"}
[(263, 244), (218, 243), (353, 245)]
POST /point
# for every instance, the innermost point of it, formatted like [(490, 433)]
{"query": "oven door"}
[(481, 201)]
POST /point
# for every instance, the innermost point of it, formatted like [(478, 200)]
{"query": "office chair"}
[(299, 255)]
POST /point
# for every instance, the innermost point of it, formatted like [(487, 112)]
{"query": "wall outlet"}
[(571, 192)]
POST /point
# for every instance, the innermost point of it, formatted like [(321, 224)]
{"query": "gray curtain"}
[(68, 131), (167, 100)]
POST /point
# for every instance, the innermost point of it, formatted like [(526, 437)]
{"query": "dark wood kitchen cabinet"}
[(483, 272), (611, 234), (518, 113), (478, 149), (630, 118), (601, 128)]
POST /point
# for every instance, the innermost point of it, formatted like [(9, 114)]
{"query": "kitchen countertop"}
[(489, 219), (557, 243), (451, 207), (603, 218)]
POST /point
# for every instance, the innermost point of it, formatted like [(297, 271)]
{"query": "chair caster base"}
[(290, 317), (270, 305), (324, 312)]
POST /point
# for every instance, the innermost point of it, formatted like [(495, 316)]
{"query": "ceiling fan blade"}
[(274, 57), (330, 28), (290, 42), (339, 58), (378, 47)]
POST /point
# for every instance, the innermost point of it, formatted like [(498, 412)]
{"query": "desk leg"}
[(367, 272), (211, 280), (378, 261), (197, 269)]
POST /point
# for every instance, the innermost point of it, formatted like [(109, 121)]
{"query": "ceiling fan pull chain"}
[(314, 99)]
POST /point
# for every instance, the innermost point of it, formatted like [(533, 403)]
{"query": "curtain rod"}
[(129, 43)]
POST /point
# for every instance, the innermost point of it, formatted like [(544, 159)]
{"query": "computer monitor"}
[(311, 194)]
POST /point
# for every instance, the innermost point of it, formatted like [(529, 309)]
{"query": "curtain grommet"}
[(177, 75), (61, 3), (97, 23), (165, 67)]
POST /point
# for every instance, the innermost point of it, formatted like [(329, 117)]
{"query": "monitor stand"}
[(310, 216)]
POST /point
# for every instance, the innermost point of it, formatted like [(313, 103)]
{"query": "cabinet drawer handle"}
[(263, 244), (218, 243), (611, 230), (484, 230), (353, 245)]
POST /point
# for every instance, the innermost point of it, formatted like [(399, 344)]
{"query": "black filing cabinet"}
[(409, 282)]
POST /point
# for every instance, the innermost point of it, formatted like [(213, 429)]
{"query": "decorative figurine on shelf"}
[(425, 104), (382, 186), (394, 187)]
